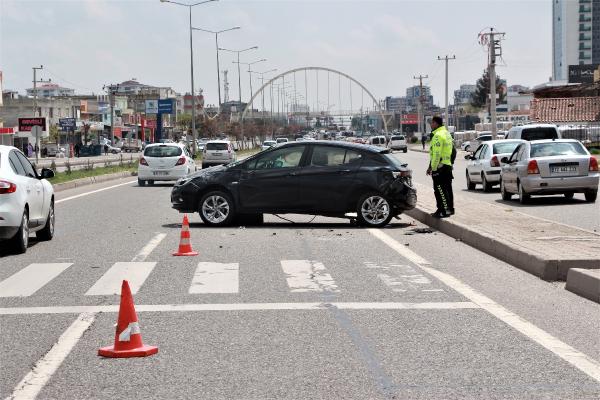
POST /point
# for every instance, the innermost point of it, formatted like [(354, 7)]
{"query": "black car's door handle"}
[(344, 171), (292, 174)]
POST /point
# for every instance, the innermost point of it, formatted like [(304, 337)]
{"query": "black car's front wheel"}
[(373, 210), (216, 208)]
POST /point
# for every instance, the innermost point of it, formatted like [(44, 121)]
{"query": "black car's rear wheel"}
[(216, 208), (373, 210)]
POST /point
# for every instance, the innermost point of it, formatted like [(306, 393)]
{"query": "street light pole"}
[(238, 63), (189, 6), (216, 33)]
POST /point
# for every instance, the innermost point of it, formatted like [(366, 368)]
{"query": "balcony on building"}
[(584, 37), (585, 28)]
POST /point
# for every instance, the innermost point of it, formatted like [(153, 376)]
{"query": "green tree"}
[(479, 98), (53, 133)]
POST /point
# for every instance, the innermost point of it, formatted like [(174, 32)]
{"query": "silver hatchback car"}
[(545, 167)]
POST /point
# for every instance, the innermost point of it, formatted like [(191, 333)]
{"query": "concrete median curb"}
[(91, 180), (585, 283), (548, 269)]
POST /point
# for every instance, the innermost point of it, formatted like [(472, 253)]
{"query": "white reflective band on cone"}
[(132, 329)]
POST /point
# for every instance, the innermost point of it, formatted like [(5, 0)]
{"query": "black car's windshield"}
[(162, 151)]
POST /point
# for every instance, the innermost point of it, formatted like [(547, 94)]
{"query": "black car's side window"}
[(287, 157), (326, 156)]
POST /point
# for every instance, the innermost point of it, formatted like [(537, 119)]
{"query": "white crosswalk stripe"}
[(110, 283), (307, 276), (302, 276), (215, 278), (31, 279)]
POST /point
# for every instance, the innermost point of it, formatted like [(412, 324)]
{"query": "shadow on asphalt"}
[(290, 225), (7, 251), (543, 201)]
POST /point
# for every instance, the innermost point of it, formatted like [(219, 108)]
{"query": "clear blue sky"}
[(86, 44)]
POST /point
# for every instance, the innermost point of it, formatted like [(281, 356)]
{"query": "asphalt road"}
[(291, 311), (576, 212)]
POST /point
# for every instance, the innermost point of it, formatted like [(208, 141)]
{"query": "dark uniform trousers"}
[(442, 186)]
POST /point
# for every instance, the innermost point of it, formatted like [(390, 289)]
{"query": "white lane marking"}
[(307, 276), (110, 283), (152, 244), (93, 191), (33, 383), (31, 279), (458, 305), (36, 379), (213, 277), (568, 353), (400, 277)]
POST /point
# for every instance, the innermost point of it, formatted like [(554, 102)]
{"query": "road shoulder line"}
[(573, 356)]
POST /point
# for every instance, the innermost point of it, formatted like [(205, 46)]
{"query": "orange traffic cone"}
[(128, 337), (185, 247)]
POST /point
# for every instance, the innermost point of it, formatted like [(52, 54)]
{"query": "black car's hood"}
[(208, 172)]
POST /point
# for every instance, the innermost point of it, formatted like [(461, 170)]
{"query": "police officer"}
[(440, 168)]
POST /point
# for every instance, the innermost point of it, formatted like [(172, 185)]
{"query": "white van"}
[(377, 141), (398, 142), (534, 132)]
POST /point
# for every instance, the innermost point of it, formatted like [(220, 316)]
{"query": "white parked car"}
[(26, 200), (398, 142), (485, 165), (218, 152), (267, 144), (164, 162)]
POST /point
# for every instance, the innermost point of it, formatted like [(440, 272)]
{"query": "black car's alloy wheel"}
[(374, 210), (216, 209)]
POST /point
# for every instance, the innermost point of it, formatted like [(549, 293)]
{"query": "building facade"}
[(463, 95), (576, 35), (50, 90)]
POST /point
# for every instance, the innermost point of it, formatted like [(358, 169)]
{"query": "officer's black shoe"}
[(450, 212), (439, 214)]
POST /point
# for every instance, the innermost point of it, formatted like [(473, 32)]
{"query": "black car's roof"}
[(348, 145)]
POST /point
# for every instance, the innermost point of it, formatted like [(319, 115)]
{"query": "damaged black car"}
[(335, 179)]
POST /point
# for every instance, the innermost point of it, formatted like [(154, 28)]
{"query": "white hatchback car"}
[(26, 200), (164, 162), (218, 152)]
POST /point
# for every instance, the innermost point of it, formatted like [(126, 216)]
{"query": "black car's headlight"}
[(182, 181)]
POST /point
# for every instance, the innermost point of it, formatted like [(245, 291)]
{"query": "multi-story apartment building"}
[(47, 90), (576, 35)]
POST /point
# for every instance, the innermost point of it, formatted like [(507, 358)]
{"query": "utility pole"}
[(420, 104), (494, 50), (447, 114), (35, 107)]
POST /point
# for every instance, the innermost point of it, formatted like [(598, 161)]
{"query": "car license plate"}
[(562, 170), (160, 173)]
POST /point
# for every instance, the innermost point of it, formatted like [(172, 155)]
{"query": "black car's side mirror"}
[(47, 173)]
